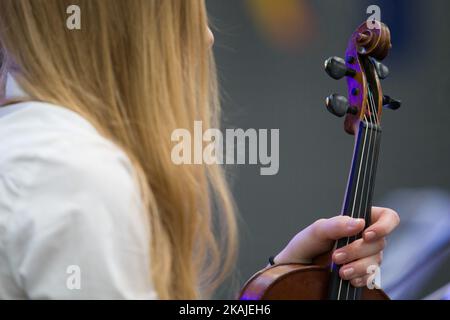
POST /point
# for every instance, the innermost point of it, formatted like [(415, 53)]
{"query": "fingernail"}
[(348, 272), (370, 235), (353, 223), (340, 257)]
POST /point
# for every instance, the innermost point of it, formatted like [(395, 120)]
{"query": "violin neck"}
[(361, 181), (358, 197)]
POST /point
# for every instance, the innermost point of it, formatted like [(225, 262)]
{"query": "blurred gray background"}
[(268, 84)]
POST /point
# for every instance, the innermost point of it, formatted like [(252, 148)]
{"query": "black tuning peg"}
[(339, 106), (390, 103), (381, 69), (336, 68)]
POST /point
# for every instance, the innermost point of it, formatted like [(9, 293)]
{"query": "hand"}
[(354, 258)]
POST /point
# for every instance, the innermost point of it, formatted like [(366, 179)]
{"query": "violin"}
[(362, 67)]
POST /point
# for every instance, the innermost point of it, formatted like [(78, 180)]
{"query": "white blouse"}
[(71, 220)]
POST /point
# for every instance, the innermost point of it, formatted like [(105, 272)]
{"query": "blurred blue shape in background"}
[(418, 250)]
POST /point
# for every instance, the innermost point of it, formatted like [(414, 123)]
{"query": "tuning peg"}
[(336, 68), (390, 103), (339, 106), (381, 69)]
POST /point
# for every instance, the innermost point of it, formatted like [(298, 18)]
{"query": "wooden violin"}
[(368, 45)]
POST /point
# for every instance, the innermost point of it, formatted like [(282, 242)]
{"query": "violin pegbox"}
[(362, 67)]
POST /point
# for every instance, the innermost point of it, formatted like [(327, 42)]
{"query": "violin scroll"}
[(368, 46)]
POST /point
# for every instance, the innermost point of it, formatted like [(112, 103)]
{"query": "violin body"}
[(368, 45), (296, 282)]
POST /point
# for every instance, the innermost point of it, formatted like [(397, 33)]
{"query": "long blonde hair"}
[(137, 70)]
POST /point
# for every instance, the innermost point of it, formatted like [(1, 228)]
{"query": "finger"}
[(384, 221), (337, 227), (357, 250), (360, 282), (324, 232), (320, 237), (359, 268)]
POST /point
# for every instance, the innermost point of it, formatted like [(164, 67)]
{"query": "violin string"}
[(369, 186), (372, 102), (373, 106), (354, 199), (373, 119), (364, 176), (362, 194), (357, 192)]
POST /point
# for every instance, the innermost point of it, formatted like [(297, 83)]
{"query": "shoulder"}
[(43, 139), (48, 152), (63, 183)]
